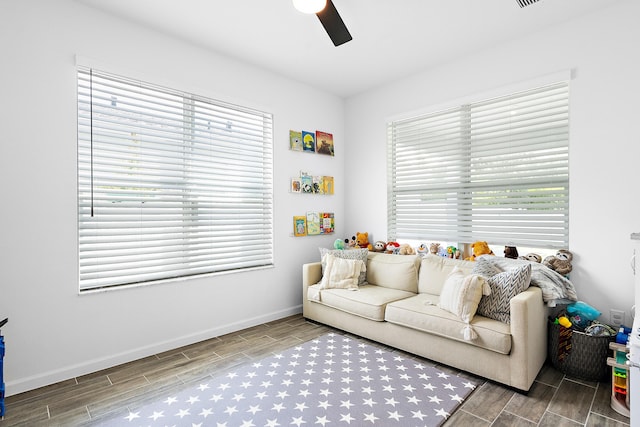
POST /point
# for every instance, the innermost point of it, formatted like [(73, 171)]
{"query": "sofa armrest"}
[(529, 334), (311, 274)]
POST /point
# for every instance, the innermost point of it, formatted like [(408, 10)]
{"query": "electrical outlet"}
[(616, 317)]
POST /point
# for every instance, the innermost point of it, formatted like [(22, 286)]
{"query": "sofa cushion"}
[(504, 286), (346, 254), (341, 273), (435, 269), (421, 312), (393, 271), (461, 294), (369, 301)]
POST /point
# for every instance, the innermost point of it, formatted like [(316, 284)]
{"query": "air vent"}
[(524, 3)]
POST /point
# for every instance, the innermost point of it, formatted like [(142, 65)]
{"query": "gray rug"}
[(330, 381)]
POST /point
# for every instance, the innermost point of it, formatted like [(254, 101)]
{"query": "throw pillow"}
[(341, 273), (460, 295), (504, 286), (360, 254)]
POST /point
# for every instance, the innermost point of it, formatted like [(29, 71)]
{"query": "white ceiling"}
[(391, 38)]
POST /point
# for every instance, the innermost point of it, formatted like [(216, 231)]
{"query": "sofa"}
[(397, 302)]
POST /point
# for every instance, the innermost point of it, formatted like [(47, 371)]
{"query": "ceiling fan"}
[(329, 17), (333, 24)]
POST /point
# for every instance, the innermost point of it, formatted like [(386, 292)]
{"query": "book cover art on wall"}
[(327, 184), (296, 185), (295, 140), (327, 226), (324, 143), (306, 183), (299, 226), (318, 184), (313, 223), (308, 141)]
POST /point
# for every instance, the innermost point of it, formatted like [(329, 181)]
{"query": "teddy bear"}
[(560, 262), (362, 240), (406, 249), (479, 248), (379, 246), (511, 252), (350, 243)]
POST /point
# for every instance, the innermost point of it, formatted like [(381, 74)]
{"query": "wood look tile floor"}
[(554, 400)]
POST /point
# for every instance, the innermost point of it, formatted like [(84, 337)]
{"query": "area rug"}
[(330, 381)]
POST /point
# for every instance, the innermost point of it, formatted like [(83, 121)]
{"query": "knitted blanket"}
[(556, 289)]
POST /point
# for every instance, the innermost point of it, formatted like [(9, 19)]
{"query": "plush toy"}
[(406, 249), (560, 262), (350, 243), (392, 247), (423, 249), (510, 252), (453, 252), (362, 241), (532, 257), (479, 248), (379, 246), (338, 244), (434, 248)]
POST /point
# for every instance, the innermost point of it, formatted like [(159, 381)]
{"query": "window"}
[(496, 170), (170, 184)]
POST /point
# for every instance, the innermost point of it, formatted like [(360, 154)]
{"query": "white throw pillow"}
[(340, 273), (461, 295), (347, 254)]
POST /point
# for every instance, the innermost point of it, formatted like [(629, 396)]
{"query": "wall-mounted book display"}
[(312, 184), (311, 142), (313, 223)]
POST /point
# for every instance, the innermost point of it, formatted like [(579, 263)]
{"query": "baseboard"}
[(52, 377)]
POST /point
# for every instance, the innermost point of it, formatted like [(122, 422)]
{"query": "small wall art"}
[(311, 142), (312, 184)]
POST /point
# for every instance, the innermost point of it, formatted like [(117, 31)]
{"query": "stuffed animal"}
[(350, 243), (453, 252), (406, 249), (510, 252), (392, 247), (479, 248), (532, 257), (379, 246), (560, 262), (362, 241), (434, 248), (423, 249), (338, 244)]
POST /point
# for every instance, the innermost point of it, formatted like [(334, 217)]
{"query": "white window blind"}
[(496, 170), (170, 184)]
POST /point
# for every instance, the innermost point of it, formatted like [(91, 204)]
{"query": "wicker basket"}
[(587, 359)]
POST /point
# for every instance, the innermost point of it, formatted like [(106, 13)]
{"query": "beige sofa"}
[(398, 306)]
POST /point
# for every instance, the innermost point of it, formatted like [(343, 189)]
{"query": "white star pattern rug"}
[(333, 380)]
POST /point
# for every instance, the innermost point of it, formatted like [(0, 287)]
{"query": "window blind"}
[(496, 170), (170, 184)]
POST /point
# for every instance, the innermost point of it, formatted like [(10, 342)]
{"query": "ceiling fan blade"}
[(524, 3), (333, 24)]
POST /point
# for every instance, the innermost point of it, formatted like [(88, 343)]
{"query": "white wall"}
[(53, 332), (601, 49)]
